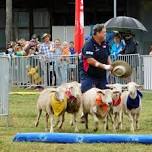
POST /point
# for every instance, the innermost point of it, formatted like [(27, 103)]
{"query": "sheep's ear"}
[(101, 92), (139, 86), (116, 91), (79, 84), (124, 87), (110, 86)]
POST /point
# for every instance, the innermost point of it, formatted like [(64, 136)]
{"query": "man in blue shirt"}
[(95, 60)]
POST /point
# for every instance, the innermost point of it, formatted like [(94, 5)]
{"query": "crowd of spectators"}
[(49, 48)]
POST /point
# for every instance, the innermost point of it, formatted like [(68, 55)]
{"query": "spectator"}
[(31, 47), (47, 49), (150, 50), (58, 64), (65, 49), (65, 60), (19, 47), (117, 46), (10, 48), (71, 47), (131, 44)]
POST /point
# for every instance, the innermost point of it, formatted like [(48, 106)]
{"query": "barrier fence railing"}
[(4, 83), (134, 61), (146, 71), (41, 71)]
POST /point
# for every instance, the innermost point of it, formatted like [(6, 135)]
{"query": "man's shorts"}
[(88, 83)]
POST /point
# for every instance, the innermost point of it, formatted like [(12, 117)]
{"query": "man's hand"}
[(107, 67)]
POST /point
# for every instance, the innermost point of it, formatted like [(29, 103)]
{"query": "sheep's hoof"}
[(36, 124), (46, 129), (95, 129), (51, 131), (132, 130), (76, 130), (71, 123), (114, 131)]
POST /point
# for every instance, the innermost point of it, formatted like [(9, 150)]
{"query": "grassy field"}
[(22, 118)]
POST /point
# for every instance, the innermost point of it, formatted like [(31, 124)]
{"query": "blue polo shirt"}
[(101, 52)]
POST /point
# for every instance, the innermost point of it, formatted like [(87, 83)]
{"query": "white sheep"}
[(44, 103), (98, 108), (74, 94), (132, 104), (116, 107)]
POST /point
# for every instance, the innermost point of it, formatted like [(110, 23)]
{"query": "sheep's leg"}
[(131, 122), (107, 126), (105, 123), (46, 121), (86, 120), (120, 120), (71, 122), (51, 122), (96, 121), (137, 121), (115, 121), (57, 123), (61, 121), (75, 122), (38, 117), (112, 120)]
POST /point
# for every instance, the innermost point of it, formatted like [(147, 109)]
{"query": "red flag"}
[(79, 26)]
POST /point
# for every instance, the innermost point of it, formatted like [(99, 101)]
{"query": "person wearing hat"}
[(95, 60), (47, 49)]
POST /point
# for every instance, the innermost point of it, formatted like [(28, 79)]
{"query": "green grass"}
[(22, 118)]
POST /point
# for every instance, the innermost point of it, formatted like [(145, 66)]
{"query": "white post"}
[(115, 8)]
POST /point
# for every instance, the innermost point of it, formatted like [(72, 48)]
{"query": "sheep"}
[(96, 102), (45, 103), (74, 94), (132, 104), (116, 107)]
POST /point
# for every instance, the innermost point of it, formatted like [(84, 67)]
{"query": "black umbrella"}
[(123, 23)]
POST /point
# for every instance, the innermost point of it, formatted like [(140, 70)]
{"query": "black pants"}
[(51, 74)]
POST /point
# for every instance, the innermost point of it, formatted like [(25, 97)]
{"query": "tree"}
[(8, 28)]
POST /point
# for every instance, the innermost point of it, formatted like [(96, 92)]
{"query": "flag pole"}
[(115, 8), (79, 26)]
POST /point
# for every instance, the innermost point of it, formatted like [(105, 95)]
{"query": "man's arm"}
[(95, 63), (88, 52), (109, 62)]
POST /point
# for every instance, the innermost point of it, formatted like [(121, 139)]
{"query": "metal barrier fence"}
[(4, 83), (135, 62), (146, 71), (41, 71)]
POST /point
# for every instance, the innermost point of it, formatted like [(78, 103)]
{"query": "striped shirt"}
[(45, 49)]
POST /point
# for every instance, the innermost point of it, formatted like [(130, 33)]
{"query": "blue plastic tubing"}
[(82, 138)]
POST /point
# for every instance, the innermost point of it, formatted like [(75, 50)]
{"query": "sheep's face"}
[(132, 88), (60, 94), (116, 90), (74, 90), (116, 95), (107, 97)]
